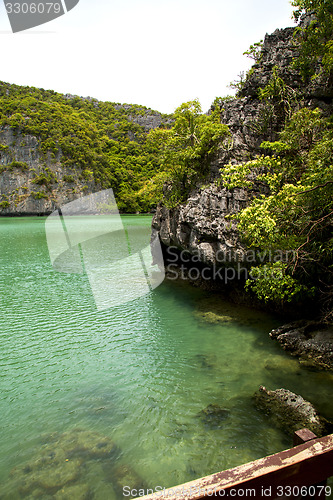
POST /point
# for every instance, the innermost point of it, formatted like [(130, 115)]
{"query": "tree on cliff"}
[(295, 220), (184, 151), (316, 44)]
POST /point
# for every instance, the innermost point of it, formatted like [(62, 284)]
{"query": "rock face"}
[(200, 226), (21, 195), (311, 341), (279, 49), (291, 412)]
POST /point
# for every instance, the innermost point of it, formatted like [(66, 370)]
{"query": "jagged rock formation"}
[(200, 226), (20, 194), (310, 341), (290, 412)]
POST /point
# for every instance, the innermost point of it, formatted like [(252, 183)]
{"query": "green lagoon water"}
[(138, 374)]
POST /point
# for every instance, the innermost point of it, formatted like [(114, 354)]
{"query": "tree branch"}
[(316, 187)]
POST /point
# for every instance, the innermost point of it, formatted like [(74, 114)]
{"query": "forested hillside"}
[(75, 145)]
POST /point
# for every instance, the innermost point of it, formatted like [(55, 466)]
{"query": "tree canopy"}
[(296, 218), (316, 44), (184, 151)]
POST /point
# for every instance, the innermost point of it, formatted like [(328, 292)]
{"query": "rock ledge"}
[(311, 341)]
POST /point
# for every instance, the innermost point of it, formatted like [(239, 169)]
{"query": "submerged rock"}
[(213, 318), (124, 475), (78, 464), (213, 416), (59, 469), (79, 491), (208, 361), (49, 473), (215, 309), (290, 412), (311, 341)]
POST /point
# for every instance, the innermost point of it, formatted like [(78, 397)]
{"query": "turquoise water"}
[(74, 380)]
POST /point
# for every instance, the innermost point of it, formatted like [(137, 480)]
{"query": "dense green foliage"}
[(278, 103), (291, 227), (100, 140), (184, 152), (316, 44), (296, 218), (254, 51)]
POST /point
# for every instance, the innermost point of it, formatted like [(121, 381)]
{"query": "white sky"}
[(158, 53)]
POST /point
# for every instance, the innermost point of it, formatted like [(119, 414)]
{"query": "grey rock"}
[(279, 49), (201, 225), (17, 186), (311, 341), (290, 412)]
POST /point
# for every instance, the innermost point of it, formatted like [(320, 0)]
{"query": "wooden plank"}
[(304, 436), (303, 465)]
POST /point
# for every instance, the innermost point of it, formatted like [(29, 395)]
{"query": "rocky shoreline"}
[(310, 341)]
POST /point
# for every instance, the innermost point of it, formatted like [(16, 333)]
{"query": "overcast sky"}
[(158, 53)]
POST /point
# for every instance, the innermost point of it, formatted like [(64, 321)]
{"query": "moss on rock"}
[(290, 412)]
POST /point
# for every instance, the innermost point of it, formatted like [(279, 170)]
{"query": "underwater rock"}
[(124, 475), (58, 471), (78, 491), (213, 318), (37, 494), (215, 309), (290, 412), (48, 474), (87, 444), (208, 361), (213, 416)]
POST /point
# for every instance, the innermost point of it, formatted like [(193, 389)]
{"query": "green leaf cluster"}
[(315, 40), (184, 151), (270, 282), (296, 217), (254, 51), (45, 178), (101, 141)]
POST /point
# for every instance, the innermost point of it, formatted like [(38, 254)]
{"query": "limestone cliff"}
[(201, 225), (36, 178), (21, 182)]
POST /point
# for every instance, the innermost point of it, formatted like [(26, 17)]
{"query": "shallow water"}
[(138, 374)]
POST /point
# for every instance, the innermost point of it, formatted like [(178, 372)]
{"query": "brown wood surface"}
[(304, 436), (304, 465)]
